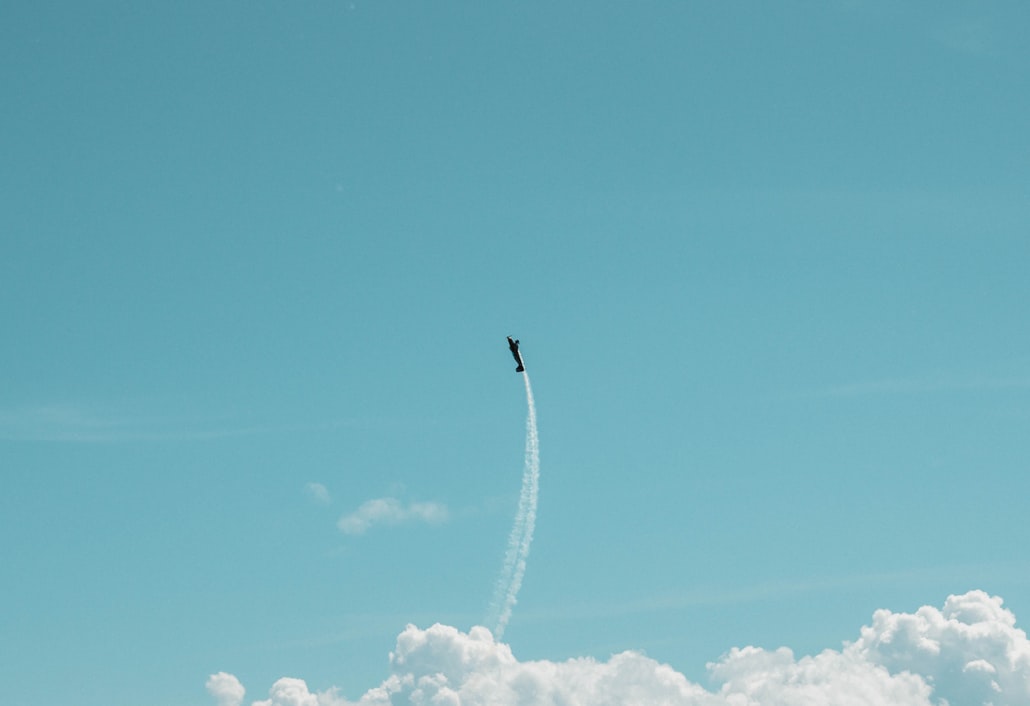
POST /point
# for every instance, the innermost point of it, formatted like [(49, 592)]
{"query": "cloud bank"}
[(390, 511), (968, 653)]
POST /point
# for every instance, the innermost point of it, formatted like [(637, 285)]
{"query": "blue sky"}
[(767, 263)]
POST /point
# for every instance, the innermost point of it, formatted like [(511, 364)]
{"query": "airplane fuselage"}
[(513, 346)]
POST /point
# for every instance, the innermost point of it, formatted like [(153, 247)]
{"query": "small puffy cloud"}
[(318, 493), (967, 653), (391, 511), (226, 689)]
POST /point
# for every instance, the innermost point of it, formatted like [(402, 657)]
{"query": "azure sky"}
[(258, 420)]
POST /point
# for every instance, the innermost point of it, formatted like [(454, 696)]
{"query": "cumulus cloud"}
[(971, 650), (969, 653), (226, 689), (752, 676), (294, 692), (391, 511)]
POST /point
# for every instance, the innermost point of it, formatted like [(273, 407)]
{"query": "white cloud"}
[(971, 650), (318, 493), (969, 653), (755, 676), (294, 692), (390, 511), (226, 689)]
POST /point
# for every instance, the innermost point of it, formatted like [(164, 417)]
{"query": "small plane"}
[(514, 347)]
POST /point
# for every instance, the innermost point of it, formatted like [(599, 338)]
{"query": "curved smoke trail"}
[(514, 568)]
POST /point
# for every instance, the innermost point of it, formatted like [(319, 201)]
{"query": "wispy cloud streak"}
[(929, 385), (75, 423), (318, 493)]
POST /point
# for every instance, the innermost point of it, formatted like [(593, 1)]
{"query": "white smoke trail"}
[(514, 568)]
